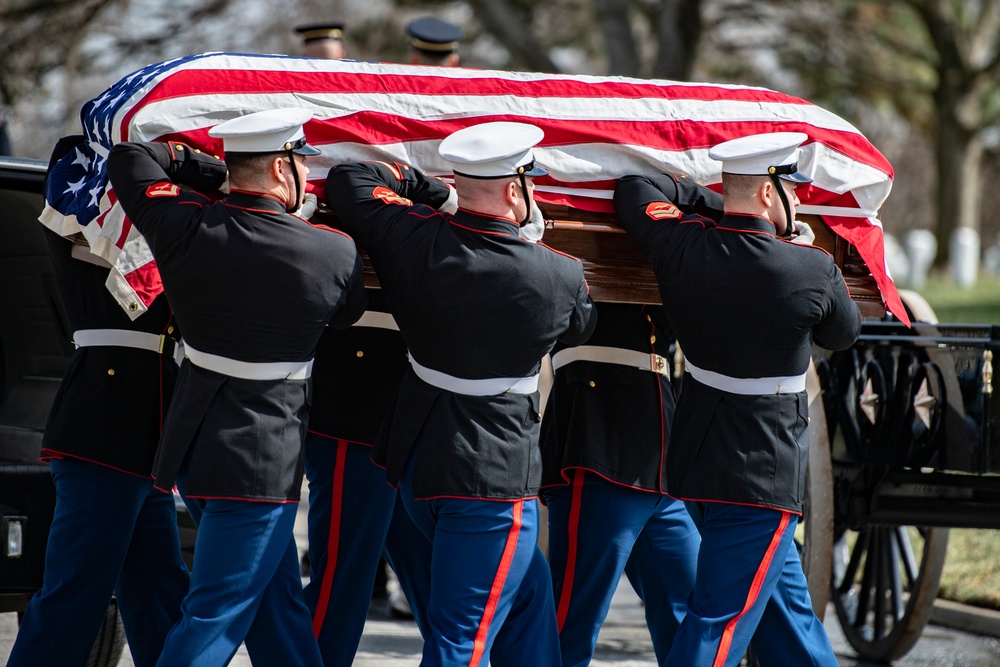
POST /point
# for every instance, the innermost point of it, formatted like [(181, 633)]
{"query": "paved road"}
[(623, 642)]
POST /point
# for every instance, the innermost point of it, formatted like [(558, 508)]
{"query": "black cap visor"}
[(789, 172), (532, 169), (302, 148)]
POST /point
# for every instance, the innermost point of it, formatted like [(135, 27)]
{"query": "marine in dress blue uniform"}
[(434, 42), (746, 306), (253, 288), (604, 441), (111, 532), (322, 40), (353, 512), (478, 308)]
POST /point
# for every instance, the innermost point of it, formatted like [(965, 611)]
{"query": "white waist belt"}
[(790, 384), (483, 387), (141, 340), (611, 355), (246, 370), (377, 320)]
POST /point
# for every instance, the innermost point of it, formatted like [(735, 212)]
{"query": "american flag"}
[(596, 130)]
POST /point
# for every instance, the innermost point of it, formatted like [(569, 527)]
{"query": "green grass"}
[(972, 567), (979, 304)]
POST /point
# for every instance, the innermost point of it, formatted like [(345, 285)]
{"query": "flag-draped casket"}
[(596, 130)]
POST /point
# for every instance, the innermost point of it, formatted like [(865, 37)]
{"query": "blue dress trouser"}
[(789, 614), (111, 532), (748, 569), (351, 509), (245, 584), (597, 530), (408, 552), (484, 558)]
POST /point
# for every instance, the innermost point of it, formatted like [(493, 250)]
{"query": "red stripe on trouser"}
[(479, 646), (333, 542), (574, 523), (758, 582)]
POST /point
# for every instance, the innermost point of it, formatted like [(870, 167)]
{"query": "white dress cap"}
[(775, 153), (270, 131), (493, 150)]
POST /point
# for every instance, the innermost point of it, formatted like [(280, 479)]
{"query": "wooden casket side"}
[(617, 272)]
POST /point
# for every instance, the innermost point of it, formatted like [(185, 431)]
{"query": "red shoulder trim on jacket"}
[(325, 228), (558, 252), (477, 231), (433, 212), (814, 247), (395, 167), (49, 454)]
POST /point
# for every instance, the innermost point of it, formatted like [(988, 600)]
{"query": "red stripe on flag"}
[(232, 81), (145, 282)]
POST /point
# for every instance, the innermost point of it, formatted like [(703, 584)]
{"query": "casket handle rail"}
[(617, 272)]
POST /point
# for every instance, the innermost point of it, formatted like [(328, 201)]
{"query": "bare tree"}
[(966, 59), (935, 62), (511, 25), (673, 27), (38, 36)]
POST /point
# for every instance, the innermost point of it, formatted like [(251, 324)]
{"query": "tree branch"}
[(501, 22)]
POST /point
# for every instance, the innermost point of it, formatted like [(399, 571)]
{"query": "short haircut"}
[(432, 58), (248, 167), (740, 187)]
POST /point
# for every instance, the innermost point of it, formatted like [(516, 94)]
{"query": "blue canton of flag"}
[(78, 181)]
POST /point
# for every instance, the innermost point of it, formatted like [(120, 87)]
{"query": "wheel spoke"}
[(867, 580), (881, 565), (851, 572), (895, 580), (907, 558)]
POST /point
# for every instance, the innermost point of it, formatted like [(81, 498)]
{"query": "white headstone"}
[(896, 260), (921, 248), (963, 256), (991, 259)]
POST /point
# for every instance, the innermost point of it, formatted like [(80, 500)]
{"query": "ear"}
[(453, 60), (277, 168), (512, 193), (766, 193)]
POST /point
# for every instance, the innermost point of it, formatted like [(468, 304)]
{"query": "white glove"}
[(451, 204), (533, 231), (802, 234), (224, 188), (309, 205)]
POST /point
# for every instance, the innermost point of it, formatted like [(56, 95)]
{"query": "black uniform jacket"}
[(474, 301), (110, 406), (356, 377), (248, 282), (747, 305), (611, 419)]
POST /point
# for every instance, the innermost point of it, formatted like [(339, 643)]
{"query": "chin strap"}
[(524, 191), (784, 204), (298, 186)]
